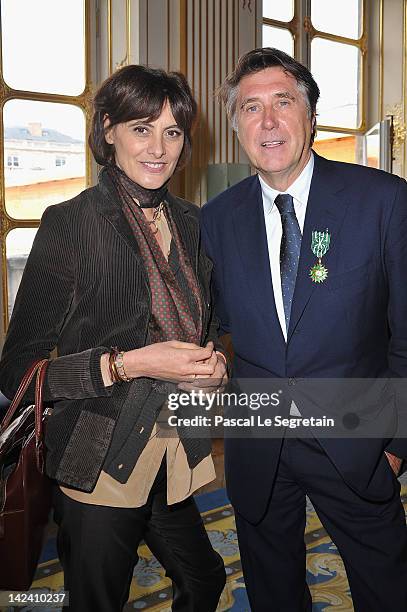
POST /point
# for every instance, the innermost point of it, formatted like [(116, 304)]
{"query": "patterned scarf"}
[(147, 198), (171, 317)]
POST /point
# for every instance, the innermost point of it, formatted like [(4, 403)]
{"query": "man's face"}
[(274, 126)]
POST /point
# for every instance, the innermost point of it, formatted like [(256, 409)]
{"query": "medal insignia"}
[(319, 246)]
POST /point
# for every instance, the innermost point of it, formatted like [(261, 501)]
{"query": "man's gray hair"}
[(260, 59)]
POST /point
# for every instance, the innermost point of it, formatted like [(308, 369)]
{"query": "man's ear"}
[(108, 130)]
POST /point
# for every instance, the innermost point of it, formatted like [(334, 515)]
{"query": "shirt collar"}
[(299, 189)]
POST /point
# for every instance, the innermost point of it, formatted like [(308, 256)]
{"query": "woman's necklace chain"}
[(156, 217)]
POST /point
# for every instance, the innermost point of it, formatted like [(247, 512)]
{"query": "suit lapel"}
[(326, 209), (251, 237), (110, 208)]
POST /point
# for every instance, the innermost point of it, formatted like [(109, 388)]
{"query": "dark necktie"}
[(289, 250)]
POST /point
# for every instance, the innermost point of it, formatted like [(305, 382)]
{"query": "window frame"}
[(84, 102), (304, 32)]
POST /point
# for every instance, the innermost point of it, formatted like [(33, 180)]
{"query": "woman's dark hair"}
[(139, 92), (260, 59)]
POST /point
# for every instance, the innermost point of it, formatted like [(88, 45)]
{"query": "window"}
[(13, 161), (331, 40), (278, 25), (278, 37), (44, 101)]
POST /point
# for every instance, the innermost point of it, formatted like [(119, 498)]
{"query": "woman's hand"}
[(211, 383), (172, 361)]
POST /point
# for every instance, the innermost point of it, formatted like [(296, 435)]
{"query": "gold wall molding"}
[(128, 25), (5, 91), (6, 224), (399, 130), (292, 26), (399, 126)]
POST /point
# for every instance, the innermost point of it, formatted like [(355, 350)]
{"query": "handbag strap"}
[(38, 367), (39, 384)]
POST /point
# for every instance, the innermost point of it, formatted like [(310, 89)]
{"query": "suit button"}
[(292, 382), (350, 420)]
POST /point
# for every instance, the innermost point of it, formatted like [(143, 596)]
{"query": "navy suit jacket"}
[(353, 325)]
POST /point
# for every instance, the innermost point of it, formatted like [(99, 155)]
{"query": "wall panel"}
[(218, 32), (203, 39)]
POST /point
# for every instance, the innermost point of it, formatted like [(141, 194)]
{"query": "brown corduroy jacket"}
[(85, 289)]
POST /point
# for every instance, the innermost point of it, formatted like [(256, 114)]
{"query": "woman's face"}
[(147, 152)]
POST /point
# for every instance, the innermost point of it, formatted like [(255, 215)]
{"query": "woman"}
[(120, 266)]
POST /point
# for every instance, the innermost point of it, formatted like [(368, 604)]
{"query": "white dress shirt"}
[(299, 191)]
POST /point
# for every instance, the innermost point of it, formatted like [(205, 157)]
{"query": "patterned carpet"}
[(151, 591)]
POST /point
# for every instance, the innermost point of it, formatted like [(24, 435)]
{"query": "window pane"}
[(18, 246), (342, 18), (339, 101), (339, 147), (44, 155), (283, 10), (278, 38), (44, 45)]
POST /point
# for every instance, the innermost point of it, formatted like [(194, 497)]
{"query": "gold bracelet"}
[(119, 364), (114, 375)]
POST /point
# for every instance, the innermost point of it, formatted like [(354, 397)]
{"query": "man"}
[(297, 310)]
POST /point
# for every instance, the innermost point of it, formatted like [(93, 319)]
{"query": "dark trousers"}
[(371, 537), (97, 546)]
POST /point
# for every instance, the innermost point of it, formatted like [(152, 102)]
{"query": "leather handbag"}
[(25, 490)]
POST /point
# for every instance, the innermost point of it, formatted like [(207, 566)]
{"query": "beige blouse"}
[(182, 481)]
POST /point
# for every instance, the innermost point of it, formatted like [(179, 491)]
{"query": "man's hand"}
[(395, 462)]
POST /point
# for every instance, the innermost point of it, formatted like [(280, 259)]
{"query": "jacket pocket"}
[(86, 449)]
